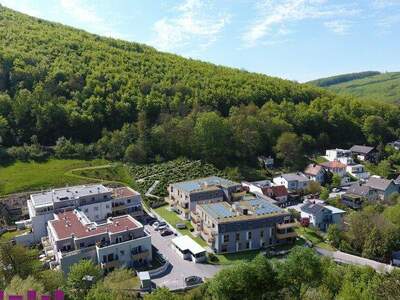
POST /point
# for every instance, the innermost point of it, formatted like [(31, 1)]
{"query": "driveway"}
[(181, 268)]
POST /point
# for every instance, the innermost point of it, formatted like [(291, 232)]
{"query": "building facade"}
[(118, 242), (249, 224), (183, 196), (292, 181)]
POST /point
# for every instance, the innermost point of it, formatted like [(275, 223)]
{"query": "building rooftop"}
[(313, 169), (261, 183), (185, 243), (380, 184), (295, 177), (335, 210), (278, 190), (72, 224), (361, 149), (123, 192), (358, 190), (248, 208), (47, 198), (312, 208), (333, 165), (204, 183)]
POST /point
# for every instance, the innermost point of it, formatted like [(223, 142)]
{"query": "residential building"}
[(335, 167), (257, 186), (292, 181), (383, 187), (395, 144), (96, 201), (344, 156), (184, 196), (357, 194), (266, 162), (357, 171), (321, 216), (118, 242), (316, 173), (279, 193), (251, 223), (364, 153)]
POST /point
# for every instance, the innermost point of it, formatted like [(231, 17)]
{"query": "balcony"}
[(119, 207), (140, 255), (283, 236), (286, 225), (110, 264)]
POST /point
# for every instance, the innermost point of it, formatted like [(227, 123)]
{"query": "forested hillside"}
[(97, 97), (366, 85)]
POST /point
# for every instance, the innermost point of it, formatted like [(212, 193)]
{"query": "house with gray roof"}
[(183, 196), (320, 215), (292, 181), (364, 153), (248, 224), (357, 194), (384, 187)]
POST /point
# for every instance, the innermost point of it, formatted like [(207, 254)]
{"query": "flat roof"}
[(184, 242), (47, 198), (218, 210), (68, 225), (124, 192), (203, 183)]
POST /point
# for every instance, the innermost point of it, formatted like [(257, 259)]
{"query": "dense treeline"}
[(325, 82), (81, 95)]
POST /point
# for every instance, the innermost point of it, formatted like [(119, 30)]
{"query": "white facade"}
[(337, 154), (358, 171), (293, 181)]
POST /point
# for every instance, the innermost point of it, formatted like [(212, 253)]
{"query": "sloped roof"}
[(359, 190), (313, 169), (312, 208), (361, 149), (380, 184), (295, 177), (277, 190), (333, 165)]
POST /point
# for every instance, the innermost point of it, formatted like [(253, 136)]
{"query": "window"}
[(122, 252), (247, 245), (249, 235), (107, 206), (81, 245), (119, 239), (96, 208), (237, 236), (226, 238), (86, 210), (262, 233)]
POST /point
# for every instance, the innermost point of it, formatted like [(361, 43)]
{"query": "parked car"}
[(181, 225), (336, 190), (166, 232), (193, 280), (159, 225)]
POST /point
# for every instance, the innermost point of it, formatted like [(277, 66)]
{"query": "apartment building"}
[(251, 223), (292, 181), (183, 196), (96, 201), (116, 242)]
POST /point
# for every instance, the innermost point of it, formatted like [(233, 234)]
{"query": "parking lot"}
[(175, 279)]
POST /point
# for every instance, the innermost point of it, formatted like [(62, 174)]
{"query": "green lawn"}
[(25, 176), (312, 236), (172, 218)]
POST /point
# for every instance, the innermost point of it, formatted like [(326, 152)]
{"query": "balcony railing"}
[(282, 236), (287, 225), (140, 255), (110, 264)]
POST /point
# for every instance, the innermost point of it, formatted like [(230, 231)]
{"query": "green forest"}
[(78, 95), (368, 85)]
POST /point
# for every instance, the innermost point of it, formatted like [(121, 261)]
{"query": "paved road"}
[(346, 258), (181, 268)]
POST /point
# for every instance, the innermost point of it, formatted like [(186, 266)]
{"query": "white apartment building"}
[(116, 242), (96, 201), (341, 155)]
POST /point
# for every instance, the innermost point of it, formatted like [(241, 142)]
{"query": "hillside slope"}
[(368, 85), (66, 82)]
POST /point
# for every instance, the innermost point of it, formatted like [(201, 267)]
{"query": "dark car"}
[(193, 280), (166, 232)]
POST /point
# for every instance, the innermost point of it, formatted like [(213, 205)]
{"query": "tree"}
[(334, 235), (324, 193), (290, 150), (375, 129), (135, 153), (116, 285), (81, 277), (374, 245), (384, 168), (161, 294), (300, 271), (51, 280), (17, 261), (336, 180), (313, 187), (19, 286)]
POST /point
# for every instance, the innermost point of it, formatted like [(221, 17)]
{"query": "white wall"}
[(97, 211)]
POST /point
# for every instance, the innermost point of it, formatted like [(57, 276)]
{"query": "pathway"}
[(342, 257), (149, 194)]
